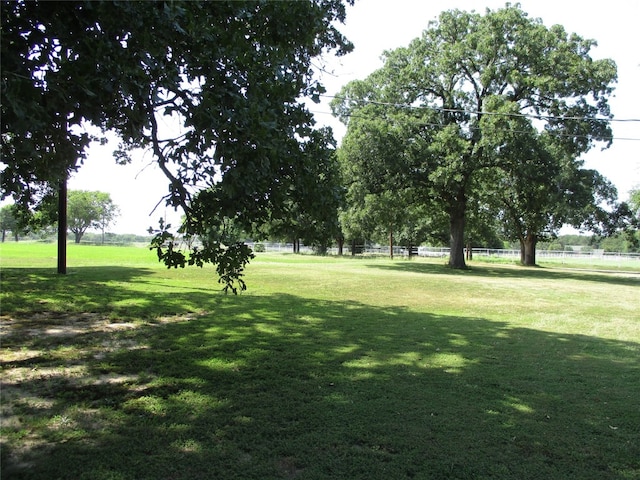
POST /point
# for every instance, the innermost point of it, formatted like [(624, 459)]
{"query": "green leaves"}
[(89, 209), (230, 259), (494, 96), (212, 89)]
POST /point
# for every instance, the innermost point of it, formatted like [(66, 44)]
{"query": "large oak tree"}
[(466, 70)]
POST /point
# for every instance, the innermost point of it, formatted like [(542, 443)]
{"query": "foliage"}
[(546, 190), (23, 222), (630, 226), (380, 203), (9, 222), (217, 247), (483, 227), (624, 242), (311, 207), (619, 230), (108, 212), (475, 92), (634, 202), (89, 209), (212, 89)]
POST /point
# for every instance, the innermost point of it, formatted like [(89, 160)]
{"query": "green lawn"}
[(326, 368)]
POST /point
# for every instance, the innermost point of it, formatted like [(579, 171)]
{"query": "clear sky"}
[(378, 25)]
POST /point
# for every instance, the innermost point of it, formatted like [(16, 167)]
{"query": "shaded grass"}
[(327, 368)]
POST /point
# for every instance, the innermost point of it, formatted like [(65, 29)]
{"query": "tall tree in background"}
[(466, 69), (540, 185), (226, 75), (633, 231), (9, 222), (87, 210), (626, 221), (108, 211)]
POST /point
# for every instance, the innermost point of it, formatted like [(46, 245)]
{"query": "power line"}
[(470, 112), (521, 115), (557, 134)]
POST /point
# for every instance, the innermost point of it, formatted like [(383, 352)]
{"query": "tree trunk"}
[(469, 251), (391, 244), (4, 234), (340, 245), (456, 239), (78, 236), (528, 250), (62, 226), (353, 247)]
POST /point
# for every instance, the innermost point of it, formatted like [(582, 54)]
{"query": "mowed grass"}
[(326, 368)]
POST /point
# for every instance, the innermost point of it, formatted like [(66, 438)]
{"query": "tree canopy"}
[(486, 98), (9, 222), (212, 89), (87, 210)]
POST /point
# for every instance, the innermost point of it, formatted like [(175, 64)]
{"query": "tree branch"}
[(178, 192)]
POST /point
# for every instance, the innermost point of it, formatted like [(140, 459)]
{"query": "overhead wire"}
[(520, 115), (472, 112), (557, 134)]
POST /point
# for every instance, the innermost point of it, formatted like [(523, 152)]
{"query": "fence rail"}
[(596, 255), (441, 252), (591, 256)]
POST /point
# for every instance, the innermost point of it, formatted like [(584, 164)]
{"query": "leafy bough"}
[(230, 260)]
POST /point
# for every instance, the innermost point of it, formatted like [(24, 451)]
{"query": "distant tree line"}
[(95, 210)]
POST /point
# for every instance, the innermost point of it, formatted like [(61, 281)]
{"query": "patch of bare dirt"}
[(60, 325), (42, 354)]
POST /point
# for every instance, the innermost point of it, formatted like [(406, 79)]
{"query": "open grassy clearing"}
[(325, 368)]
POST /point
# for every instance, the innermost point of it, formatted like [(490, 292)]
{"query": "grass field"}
[(326, 368)]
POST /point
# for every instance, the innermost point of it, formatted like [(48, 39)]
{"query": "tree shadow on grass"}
[(281, 386), (508, 271), (122, 292)]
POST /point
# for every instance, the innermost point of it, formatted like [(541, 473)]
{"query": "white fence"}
[(595, 256)]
